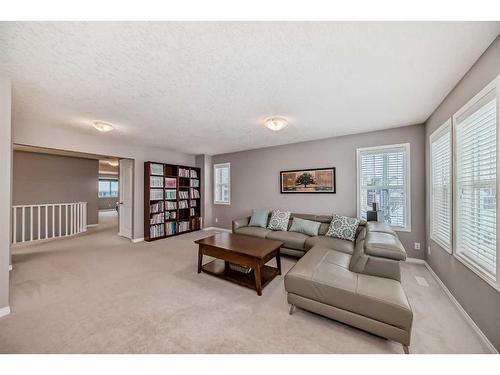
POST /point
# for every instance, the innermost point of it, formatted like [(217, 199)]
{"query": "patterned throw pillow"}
[(279, 220), (343, 227)]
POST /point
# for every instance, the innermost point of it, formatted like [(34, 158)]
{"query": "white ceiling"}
[(205, 87)]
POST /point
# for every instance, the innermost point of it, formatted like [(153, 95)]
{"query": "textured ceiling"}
[(205, 87)]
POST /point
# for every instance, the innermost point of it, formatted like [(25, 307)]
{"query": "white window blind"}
[(383, 178), (476, 183), (222, 190), (441, 190)]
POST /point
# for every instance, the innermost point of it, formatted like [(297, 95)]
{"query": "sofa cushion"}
[(259, 218), (343, 246), (292, 240), (279, 220), (323, 276), (253, 231), (343, 227), (305, 226)]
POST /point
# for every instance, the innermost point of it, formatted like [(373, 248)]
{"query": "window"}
[(108, 188), (440, 186), (222, 183), (475, 132), (383, 177)]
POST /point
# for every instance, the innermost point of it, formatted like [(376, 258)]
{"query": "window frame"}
[(110, 180), (447, 126), (220, 166), (407, 187), (471, 265)]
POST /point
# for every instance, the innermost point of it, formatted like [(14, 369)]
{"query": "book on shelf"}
[(193, 203), (156, 169), (183, 226), (156, 207), (158, 218), (157, 231), (192, 212), (170, 215), (170, 194), (193, 173), (183, 172), (183, 194), (183, 204), (170, 205), (170, 228), (170, 182), (195, 183), (195, 193), (156, 181), (155, 194)]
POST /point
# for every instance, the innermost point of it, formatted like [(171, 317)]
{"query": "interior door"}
[(126, 192)]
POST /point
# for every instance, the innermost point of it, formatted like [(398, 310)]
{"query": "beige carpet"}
[(98, 293)]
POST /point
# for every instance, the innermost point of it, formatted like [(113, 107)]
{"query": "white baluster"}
[(23, 224), (15, 225)]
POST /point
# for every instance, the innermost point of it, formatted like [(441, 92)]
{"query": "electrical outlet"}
[(216, 219), (417, 245)]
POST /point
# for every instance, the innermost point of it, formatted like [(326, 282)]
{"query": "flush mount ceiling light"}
[(275, 123), (103, 126), (113, 163)]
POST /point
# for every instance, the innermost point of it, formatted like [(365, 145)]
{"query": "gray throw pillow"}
[(259, 218), (308, 227), (343, 227), (279, 220)]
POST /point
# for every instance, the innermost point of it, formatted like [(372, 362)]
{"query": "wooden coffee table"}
[(241, 250)]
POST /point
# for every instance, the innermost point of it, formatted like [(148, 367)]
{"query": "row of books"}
[(183, 194), (193, 203), (183, 226), (157, 231), (156, 169), (170, 182), (170, 205), (183, 172), (156, 181), (192, 212), (183, 204), (170, 194), (155, 194), (157, 218), (193, 174), (156, 207), (195, 183), (195, 193), (170, 215), (170, 228)]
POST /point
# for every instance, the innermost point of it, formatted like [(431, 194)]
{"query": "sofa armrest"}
[(240, 223), (384, 245)]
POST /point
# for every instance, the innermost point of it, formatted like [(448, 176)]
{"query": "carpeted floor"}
[(99, 293)]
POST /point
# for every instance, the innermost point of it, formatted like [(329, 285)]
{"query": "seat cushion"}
[(322, 275), (292, 240), (253, 231), (343, 246)]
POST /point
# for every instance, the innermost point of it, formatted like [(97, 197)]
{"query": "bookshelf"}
[(172, 200)]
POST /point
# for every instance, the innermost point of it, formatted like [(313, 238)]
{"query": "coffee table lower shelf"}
[(220, 269)]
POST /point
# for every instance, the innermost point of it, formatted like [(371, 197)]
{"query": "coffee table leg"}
[(258, 279), (278, 262), (200, 258)]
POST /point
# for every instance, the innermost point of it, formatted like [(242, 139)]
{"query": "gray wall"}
[(205, 163), (5, 191), (479, 299), (42, 178), (255, 178)]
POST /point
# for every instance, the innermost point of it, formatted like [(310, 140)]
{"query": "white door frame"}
[(126, 206)]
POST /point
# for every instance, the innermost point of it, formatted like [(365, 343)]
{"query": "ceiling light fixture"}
[(113, 163), (276, 123), (103, 126)]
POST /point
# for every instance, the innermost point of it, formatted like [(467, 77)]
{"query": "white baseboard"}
[(136, 240), (92, 225), (218, 229), (467, 317), (4, 311)]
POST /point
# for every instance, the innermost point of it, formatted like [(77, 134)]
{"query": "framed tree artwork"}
[(319, 180)]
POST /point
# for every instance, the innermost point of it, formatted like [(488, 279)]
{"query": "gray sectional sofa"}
[(354, 282)]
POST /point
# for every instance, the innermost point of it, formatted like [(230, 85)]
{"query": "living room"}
[(282, 187)]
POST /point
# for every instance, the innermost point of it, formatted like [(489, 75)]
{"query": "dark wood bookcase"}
[(172, 200)]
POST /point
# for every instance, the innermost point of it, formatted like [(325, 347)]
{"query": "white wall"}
[(5, 191), (97, 143)]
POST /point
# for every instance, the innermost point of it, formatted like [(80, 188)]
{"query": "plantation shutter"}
[(476, 183), (383, 179), (441, 187)]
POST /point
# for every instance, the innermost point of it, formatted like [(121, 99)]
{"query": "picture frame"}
[(308, 181)]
